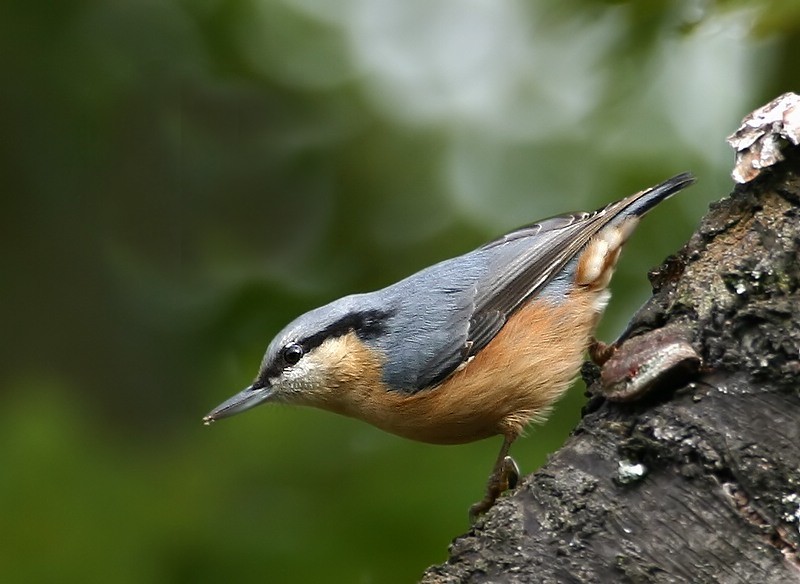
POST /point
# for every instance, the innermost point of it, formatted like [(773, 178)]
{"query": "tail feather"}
[(599, 258), (640, 203)]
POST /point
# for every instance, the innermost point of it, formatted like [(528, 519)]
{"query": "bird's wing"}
[(547, 247), (457, 307), (538, 253)]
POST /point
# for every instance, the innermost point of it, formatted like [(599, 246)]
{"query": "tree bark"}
[(697, 481)]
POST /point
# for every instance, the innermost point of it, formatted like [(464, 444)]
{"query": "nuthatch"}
[(473, 346)]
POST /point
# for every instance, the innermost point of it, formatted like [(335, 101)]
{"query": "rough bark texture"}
[(698, 482)]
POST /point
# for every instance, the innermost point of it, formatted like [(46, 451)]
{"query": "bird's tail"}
[(640, 203)]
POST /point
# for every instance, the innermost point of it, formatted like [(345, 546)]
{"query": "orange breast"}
[(513, 380)]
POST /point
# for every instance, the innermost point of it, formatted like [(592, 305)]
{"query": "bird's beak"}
[(244, 400)]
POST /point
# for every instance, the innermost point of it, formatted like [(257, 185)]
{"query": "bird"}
[(471, 347)]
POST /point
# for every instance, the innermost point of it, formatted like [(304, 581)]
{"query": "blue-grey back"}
[(426, 325)]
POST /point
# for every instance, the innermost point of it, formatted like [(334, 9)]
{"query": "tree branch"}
[(698, 481)]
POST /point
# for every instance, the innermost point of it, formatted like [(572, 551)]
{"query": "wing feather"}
[(455, 308), (550, 245)]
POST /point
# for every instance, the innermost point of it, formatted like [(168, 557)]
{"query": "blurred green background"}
[(181, 178)]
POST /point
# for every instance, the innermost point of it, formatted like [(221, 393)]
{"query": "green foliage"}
[(182, 178)]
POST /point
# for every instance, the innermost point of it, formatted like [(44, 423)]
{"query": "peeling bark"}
[(698, 481)]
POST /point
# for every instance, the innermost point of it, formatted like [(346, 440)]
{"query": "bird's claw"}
[(600, 352), (505, 477), (510, 473)]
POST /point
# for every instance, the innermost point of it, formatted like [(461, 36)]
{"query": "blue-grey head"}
[(314, 357)]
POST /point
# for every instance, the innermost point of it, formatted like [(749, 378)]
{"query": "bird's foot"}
[(505, 477), (600, 352)]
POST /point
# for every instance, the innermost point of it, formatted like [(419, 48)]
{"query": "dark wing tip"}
[(679, 181), (641, 203)]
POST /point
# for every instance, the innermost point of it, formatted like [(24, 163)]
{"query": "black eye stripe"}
[(367, 325)]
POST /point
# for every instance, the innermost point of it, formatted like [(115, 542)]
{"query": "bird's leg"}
[(505, 475), (600, 352)]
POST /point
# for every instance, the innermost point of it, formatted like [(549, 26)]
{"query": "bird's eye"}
[(292, 353)]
